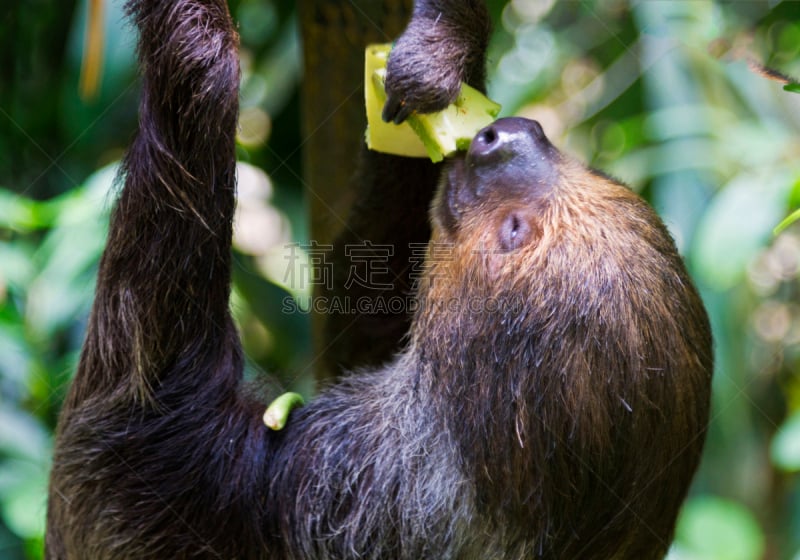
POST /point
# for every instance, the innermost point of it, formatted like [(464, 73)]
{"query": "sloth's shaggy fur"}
[(551, 401)]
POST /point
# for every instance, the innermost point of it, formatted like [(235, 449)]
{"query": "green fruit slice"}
[(277, 413), (436, 135)]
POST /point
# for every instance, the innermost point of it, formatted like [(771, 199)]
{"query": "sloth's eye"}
[(514, 232)]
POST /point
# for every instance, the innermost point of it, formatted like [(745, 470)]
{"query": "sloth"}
[(550, 399)]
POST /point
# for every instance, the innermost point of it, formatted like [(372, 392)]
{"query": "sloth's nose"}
[(512, 151), (505, 138)]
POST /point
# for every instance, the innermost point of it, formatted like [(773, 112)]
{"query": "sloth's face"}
[(515, 220), (504, 180), (514, 204)]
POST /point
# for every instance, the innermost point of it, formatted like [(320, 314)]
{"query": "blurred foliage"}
[(660, 94)]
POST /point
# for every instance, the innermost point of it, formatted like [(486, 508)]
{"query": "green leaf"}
[(69, 253), (22, 436), (23, 214), (15, 361), (26, 449), (737, 224), (786, 222), (23, 485), (17, 268), (793, 87), (785, 447), (711, 528)]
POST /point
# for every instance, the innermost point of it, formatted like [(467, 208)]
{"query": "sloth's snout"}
[(512, 152)]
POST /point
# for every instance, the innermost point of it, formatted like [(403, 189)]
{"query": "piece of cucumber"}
[(382, 136), (277, 413), (433, 134)]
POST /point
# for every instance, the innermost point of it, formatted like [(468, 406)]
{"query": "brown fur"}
[(551, 401), (607, 363)]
